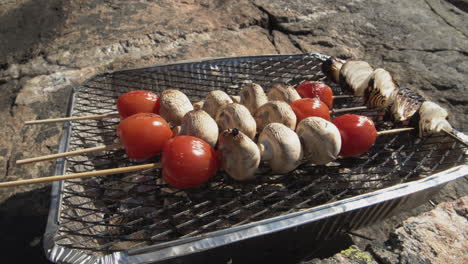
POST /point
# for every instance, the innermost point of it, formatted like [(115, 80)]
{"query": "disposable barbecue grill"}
[(135, 218)]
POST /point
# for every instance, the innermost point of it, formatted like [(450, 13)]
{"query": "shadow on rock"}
[(23, 219), (30, 24)]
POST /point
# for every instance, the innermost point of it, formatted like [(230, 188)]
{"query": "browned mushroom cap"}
[(240, 156), (253, 96), (283, 92), (432, 119), (405, 105), (354, 76), (275, 112), (214, 101), (321, 140), (381, 90), (280, 147), (200, 124), (174, 105), (237, 116), (331, 68)]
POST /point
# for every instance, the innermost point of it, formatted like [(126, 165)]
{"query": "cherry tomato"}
[(143, 135), (306, 107), (358, 134), (137, 101), (188, 162), (310, 89)]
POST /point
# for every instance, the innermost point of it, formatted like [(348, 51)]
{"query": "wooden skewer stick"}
[(68, 154), (72, 118), (340, 96), (458, 136), (349, 109), (81, 175), (394, 131)]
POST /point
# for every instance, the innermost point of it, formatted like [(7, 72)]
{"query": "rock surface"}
[(46, 46), (438, 236)]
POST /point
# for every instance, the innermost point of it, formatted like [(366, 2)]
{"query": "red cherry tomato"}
[(306, 107), (310, 89), (358, 134), (188, 162), (143, 135), (137, 101)]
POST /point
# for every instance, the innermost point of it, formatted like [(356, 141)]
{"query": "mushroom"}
[(331, 68), (253, 96), (280, 147), (321, 140), (240, 156), (354, 76), (236, 116), (236, 99), (275, 112), (198, 105), (214, 101), (200, 124), (381, 90), (283, 92), (432, 119), (174, 105), (405, 105)]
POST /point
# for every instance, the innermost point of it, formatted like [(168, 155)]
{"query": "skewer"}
[(458, 136), (68, 154), (344, 96), (394, 131), (349, 109), (116, 146), (81, 175), (72, 118)]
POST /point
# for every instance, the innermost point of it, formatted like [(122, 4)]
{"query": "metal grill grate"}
[(121, 212)]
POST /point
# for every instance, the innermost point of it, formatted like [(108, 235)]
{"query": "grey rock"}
[(438, 236)]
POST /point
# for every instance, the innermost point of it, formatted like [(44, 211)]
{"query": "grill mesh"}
[(119, 212)]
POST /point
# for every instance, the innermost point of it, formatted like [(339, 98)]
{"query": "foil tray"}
[(135, 218)]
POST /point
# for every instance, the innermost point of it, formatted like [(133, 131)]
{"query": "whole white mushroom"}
[(253, 96), (240, 156), (321, 140), (280, 147), (174, 106), (275, 112), (283, 92), (236, 116), (200, 124)]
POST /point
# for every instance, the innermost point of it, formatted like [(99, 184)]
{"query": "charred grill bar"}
[(137, 214)]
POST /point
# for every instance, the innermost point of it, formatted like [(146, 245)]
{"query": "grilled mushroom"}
[(253, 96), (236, 116), (200, 124), (174, 105), (275, 112), (405, 105), (381, 90), (432, 119), (283, 92), (354, 76), (240, 156), (214, 101), (321, 140), (331, 68), (280, 147)]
